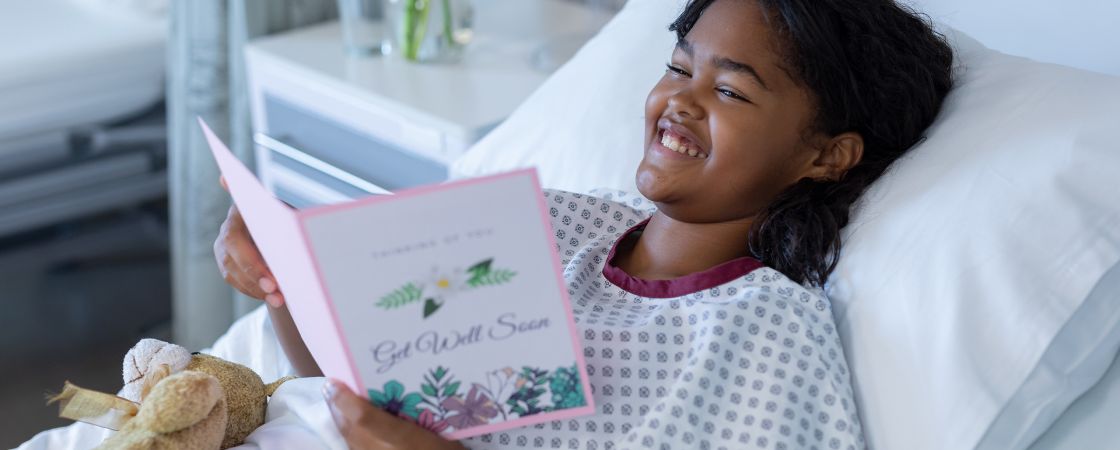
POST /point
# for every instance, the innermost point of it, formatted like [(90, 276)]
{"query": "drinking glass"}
[(362, 30)]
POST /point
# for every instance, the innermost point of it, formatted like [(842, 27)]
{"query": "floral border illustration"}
[(443, 404)]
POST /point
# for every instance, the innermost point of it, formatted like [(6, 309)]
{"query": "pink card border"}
[(358, 386), (556, 269), (222, 153)]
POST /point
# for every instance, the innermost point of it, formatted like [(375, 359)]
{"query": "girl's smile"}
[(679, 141)]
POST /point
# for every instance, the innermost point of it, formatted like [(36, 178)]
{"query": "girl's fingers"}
[(248, 280), (369, 428), (362, 425), (272, 292), (241, 263), (274, 300), (250, 264), (239, 283), (267, 285)]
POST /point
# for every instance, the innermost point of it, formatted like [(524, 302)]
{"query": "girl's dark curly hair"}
[(873, 67)]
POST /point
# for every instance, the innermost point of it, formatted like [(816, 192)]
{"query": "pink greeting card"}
[(445, 303)]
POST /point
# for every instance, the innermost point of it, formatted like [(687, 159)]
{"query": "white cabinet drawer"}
[(307, 159)]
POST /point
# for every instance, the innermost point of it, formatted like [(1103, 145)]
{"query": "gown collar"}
[(680, 286)]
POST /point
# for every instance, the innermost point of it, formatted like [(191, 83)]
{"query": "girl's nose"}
[(684, 104)]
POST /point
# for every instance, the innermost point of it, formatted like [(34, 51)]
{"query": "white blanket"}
[(297, 416)]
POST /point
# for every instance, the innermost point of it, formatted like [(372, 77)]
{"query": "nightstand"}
[(329, 126)]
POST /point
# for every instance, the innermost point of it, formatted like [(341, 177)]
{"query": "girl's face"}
[(725, 126)]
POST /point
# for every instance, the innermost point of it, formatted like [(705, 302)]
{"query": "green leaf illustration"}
[(439, 373), (407, 294), (526, 400), (451, 389), (491, 278), (429, 390), (430, 307), (567, 392), (480, 269)]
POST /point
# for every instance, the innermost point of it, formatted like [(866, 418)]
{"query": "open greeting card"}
[(445, 304)]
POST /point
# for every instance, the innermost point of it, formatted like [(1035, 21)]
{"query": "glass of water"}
[(362, 26)]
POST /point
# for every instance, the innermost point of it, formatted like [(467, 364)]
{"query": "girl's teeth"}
[(680, 147)]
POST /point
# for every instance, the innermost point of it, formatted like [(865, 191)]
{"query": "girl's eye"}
[(676, 70), (731, 94)]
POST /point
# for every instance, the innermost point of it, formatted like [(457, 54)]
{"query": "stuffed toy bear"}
[(184, 410), (185, 400)]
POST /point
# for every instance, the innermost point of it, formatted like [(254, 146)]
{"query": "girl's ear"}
[(840, 153)]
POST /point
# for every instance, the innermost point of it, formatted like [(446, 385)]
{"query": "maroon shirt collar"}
[(676, 287)]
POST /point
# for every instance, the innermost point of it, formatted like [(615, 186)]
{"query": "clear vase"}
[(427, 30), (361, 26)]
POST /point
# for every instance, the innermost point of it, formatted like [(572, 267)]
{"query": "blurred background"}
[(109, 201)]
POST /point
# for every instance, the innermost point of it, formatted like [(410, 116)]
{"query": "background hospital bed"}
[(84, 266), (81, 121)]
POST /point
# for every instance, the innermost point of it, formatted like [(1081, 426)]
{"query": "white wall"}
[(1079, 33)]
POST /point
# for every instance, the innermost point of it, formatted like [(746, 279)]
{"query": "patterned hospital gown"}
[(738, 356)]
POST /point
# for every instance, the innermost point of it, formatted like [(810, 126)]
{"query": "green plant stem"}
[(408, 28), (420, 30), (447, 23)]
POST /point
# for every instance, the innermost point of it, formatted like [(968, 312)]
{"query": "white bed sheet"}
[(297, 416), (66, 63)]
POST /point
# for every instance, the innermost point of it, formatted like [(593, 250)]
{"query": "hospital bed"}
[(81, 116), (1041, 372)]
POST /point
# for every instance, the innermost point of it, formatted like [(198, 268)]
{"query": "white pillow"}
[(960, 292), (972, 259), (582, 128)]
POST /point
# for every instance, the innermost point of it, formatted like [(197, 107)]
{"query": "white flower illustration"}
[(443, 284)]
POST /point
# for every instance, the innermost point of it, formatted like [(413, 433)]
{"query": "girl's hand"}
[(368, 428), (241, 262)]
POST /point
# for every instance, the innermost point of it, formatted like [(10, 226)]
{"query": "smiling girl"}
[(699, 302)]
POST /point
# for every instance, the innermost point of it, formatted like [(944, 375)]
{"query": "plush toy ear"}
[(146, 355), (182, 400)]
